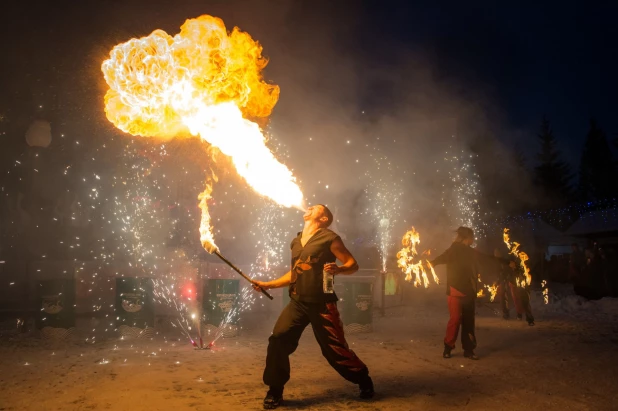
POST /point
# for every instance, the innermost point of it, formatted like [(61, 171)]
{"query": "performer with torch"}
[(312, 301), (462, 272), (509, 271)]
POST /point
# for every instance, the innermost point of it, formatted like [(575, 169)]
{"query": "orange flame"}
[(493, 290), (206, 237), (433, 273), (545, 292), (406, 257), (202, 82), (521, 256)]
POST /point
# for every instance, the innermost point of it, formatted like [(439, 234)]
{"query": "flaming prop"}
[(406, 257), (521, 256), (202, 82), (545, 292), (493, 290)]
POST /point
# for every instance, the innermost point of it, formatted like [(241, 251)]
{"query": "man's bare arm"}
[(349, 264), (282, 281)]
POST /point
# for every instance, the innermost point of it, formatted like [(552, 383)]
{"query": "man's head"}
[(497, 253), (465, 235), (575, 247), (320, 214)]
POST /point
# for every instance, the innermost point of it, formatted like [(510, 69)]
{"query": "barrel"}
[(356, 304), (134, 306), (220, 307), (56, 301)]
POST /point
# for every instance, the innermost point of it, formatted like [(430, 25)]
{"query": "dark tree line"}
[(596, 177), (514, 184), (552, 176)]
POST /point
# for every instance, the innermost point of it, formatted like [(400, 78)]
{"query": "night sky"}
[(516, 63)]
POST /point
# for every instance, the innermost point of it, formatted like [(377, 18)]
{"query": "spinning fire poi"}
[(522, 280), (406, 260), (203, 82), (525, 278)]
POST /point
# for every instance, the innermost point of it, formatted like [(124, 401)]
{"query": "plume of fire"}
[(480, 293), (521, 256), (202, 82), (406, 257)]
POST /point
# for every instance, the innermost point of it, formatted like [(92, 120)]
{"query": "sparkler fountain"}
[(384, 192), (461, 194)]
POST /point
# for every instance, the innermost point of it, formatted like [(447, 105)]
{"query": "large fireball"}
[(201, 82)]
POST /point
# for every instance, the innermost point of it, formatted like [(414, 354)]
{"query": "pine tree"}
[(552, 175), (519, 158), (597, 170)]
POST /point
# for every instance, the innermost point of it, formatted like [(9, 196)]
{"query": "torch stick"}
[(225, 260)]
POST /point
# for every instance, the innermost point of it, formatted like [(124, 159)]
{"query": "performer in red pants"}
[(461, 287)]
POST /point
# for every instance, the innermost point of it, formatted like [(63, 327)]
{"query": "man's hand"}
[(332, 268), (349, 264), (260, 285)]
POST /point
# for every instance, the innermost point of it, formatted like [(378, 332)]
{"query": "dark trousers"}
[(520, 297), (524, 304), (504, 289), (328, 330), (462, 312)]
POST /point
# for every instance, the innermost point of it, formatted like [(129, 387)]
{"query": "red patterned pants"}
[(328, 330), (462, 312)]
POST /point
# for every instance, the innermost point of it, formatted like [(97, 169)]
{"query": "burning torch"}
[(212, 249)]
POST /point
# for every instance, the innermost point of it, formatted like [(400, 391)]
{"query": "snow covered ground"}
[(567, 361)]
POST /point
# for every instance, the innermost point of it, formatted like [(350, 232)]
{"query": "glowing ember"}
[(406, 257), (524, 279), (202, 82)]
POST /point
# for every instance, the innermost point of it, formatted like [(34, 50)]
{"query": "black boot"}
[(530, 321), (274, 398), (470, 354), (366, 389), (447, 351)]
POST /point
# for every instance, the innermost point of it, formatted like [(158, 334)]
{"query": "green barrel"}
[(56, 300), (221, 304), (134, 302), (356, 302)]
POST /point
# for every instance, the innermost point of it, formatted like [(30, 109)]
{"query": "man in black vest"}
[(315, 251)]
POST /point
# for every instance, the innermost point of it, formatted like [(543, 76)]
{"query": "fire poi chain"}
[(408, 254)]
